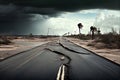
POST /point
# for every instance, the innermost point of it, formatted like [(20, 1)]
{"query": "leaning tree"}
[(80, 26), (93, 30)]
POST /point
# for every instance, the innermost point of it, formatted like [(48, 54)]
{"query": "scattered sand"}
[(111, 54), (8, 47), (21, 45)]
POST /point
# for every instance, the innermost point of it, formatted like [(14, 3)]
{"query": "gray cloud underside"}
[(55, 6), (15, 15)]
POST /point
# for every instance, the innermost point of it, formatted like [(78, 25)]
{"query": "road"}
[(58, 60)]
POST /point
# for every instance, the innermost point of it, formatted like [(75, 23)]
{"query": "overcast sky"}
[(59, 16)]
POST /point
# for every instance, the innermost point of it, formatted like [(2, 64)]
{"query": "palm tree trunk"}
[(79, 32), (92, 35)]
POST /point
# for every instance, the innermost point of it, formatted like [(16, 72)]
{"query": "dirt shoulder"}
[(21, 45), (111, 54)]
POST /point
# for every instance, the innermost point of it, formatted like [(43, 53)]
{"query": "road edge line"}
[(95, 53), (21, 52)]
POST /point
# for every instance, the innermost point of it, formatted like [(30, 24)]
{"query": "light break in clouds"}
[(67, 22)]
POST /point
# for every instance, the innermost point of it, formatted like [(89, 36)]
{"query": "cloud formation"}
[(108, 19), (50, 7), (25, 16)]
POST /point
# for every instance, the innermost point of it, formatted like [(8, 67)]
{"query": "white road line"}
[(61, 73), (29, 58)]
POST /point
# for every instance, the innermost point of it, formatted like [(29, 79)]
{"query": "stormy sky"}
[(59, 16)]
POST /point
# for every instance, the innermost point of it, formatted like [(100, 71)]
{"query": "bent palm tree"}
[(80, 26), (93, 29)]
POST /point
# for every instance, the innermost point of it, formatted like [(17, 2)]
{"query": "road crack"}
[(64, 68), (72, 49)]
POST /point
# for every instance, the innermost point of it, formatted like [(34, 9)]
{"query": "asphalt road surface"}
[(58, 60)]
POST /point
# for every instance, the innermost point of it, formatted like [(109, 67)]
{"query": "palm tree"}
[(98, 31), (80, 26), (93, 29)]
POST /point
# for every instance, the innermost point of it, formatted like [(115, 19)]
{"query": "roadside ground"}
[(111, 54)]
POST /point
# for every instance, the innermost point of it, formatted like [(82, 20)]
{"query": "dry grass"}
[(111, 40), (82, 36), (99, 48), (5, 41)]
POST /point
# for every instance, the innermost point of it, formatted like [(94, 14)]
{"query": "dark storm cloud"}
[(67, 5), (19, 20), (15, 15), (13, 24), (43, 11), (11, 8), (54, 7)]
